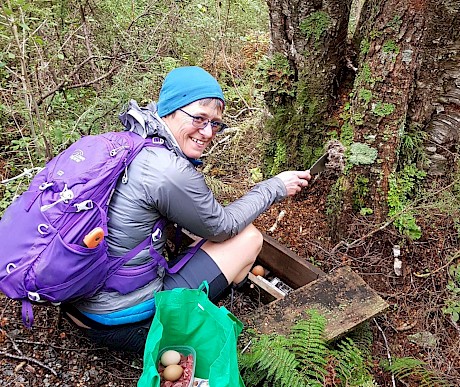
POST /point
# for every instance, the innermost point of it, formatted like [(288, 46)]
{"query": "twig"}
[(387, 223), (62, 84), (241, 112), (120, 377), (453, 258), (27, 172), (21, 356), (95, 80), (55, 346), (123, 362), (29, 359), (388, 350), (225, 139), (246, 347), (224, 55), (355, 242)]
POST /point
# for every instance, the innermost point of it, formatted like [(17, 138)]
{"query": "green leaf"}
[(60, 56), (39, 40), (7, 11), (455, 316)]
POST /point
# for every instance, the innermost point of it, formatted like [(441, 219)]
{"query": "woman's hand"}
[(294, 180)]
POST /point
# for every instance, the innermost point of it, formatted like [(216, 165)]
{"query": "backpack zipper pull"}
[(65, 196), (124, 179), (115, 151), (45, 185)]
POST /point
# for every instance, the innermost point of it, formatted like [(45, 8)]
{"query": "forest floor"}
[(54, 353)]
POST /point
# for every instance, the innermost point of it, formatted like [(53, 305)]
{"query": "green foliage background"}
[(67, 67)]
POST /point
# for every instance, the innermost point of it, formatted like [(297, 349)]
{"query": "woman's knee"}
[(236, 254), (253, 237)]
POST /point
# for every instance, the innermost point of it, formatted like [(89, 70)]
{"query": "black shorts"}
[(132, 337), (200, 267)]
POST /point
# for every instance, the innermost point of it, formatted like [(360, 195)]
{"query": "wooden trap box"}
[(341, 296), (293, 286)]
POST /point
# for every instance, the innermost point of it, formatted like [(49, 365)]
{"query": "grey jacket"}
[(163, 182)]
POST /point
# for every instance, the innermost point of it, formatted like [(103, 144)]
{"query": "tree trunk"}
[(308, 44), (435, 106), (379, 105), (406, 83)]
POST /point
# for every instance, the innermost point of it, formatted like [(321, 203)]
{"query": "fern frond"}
[(352, 367), (411, 368), (271, 359), (306, 340), (303, 359), (363, 338)]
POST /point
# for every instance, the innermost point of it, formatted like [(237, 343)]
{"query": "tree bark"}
[(383, 86), (407, 87), (435, 105), (311, 35)]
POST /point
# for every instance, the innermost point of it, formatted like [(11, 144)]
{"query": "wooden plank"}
[(282, 262), (287, 265), (265, 285), (341, 296)]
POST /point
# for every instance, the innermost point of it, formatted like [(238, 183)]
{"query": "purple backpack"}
[(43, 255)]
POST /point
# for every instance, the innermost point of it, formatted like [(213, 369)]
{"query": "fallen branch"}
[(29, 359), (41, 343), (21, 356)]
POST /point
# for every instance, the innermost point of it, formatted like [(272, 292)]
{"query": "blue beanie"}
[(185, 85)]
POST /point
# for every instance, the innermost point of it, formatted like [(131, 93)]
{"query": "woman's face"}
[(193, 141)]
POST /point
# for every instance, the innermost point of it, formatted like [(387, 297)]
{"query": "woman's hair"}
[(218, 104)]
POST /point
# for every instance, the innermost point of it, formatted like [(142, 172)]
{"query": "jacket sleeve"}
[(183, 197)]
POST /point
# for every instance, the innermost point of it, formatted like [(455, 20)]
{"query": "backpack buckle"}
[(84, 206), (156, 236), (33, 296)]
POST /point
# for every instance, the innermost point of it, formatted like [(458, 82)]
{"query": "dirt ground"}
[(416, 297), (54, 353)]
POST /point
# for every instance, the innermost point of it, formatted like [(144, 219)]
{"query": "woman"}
[(164, 183)]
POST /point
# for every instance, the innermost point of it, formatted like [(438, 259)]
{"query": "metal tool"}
[(319, 165)]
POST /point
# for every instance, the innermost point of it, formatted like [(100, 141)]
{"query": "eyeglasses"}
[(201, 123)]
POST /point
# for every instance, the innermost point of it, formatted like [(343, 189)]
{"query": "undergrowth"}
[(411, 369), (303, 358)]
